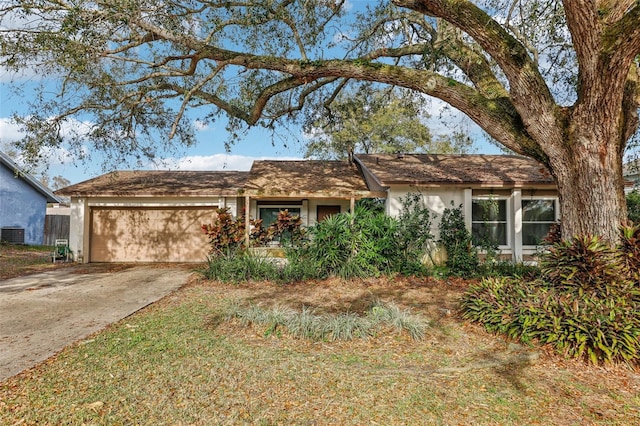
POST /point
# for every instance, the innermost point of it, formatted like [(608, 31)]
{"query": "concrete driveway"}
[(41, 314)]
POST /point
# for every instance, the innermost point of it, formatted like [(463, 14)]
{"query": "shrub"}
[(507, 268), (601, 328), (586, 303), (633, 206), (309, 324), (586, 263), (236, 266), (341, 245), (227, 234), (630, 250), (413, 233), (462, 255), (287, 229), (361, 244), (300, 267)]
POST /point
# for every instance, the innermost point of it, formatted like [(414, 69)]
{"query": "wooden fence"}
[(56, 227)]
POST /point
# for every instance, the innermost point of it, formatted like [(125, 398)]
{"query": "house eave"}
[(496, 184)]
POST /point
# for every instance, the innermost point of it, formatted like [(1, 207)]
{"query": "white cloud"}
[(9, 131), (201, 125), (214, 162)]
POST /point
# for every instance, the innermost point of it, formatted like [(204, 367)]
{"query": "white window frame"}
[(556, 208), (509, 223)]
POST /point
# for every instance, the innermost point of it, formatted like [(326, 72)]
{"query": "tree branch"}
[(528, 90)]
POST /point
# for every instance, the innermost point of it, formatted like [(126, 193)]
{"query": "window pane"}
[(533, 233), (489, 210), (538, 210), (269, 215), (496, 232)]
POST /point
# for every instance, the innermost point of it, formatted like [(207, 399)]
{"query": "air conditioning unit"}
[(12, 235)]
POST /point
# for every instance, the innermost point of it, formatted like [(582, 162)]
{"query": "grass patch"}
[(330, 327), (181, 361), (18, 260)]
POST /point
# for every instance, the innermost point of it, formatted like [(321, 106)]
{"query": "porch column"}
[(467, 207), (352, 206), (516, 241), (247, 220)]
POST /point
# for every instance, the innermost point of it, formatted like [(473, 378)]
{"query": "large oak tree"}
[(555, 81)]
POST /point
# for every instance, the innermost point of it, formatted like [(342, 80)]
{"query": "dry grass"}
[(17, 260), (180, 362)]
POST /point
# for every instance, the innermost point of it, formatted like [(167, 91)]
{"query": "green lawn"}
[(182, 361)]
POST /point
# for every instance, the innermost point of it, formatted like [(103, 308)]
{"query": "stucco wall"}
[(435, 199), (21, 206)]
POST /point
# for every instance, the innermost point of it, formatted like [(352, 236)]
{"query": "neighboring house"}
[(309, 189), (631, 173), (148, 216), (23, 204), (512, 198)]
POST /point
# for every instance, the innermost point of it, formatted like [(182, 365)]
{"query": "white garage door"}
[(149, 234)]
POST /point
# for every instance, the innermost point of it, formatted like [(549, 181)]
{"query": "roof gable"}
[(306, 179), (7, 162)]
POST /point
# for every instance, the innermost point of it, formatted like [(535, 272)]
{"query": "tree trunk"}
[(590, 182)]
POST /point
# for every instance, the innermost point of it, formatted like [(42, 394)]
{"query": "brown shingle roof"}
[(305, 179), (160, 183), (436, 169)]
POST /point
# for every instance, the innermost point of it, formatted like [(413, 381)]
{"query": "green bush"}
[(630, 250), (633, 206), (413, 232), (462, 255), (349, 245), (300, 267), (586, 303), (365, 243), (586, 263), (507, 268), (237, 266), (601, 328)]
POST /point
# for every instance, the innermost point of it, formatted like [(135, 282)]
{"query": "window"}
[(537, 218), (269, 215), (489, 220)]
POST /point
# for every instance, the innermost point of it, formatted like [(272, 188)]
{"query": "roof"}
[(160, 183), (34, 183), (462, 169), (306, 179)]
